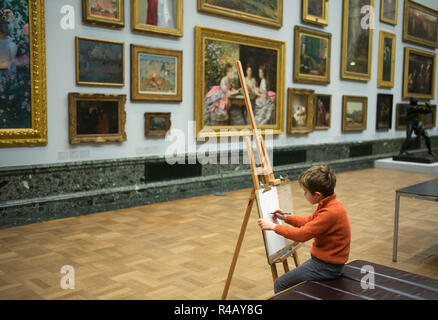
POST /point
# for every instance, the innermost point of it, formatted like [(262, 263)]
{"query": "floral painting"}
[(15, 88)]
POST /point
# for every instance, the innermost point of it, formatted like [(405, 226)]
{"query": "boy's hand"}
[(266, 225), (277, 214)]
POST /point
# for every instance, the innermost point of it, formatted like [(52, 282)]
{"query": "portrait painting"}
[(96, 118), (389, 11), (157, 124), (23, 102), (323, 104), (315, 12), (384, 111), (354, 113), (99, 62), (164, 17), (387, 53), (312, 63), (219, 101), (419, 74), (156, 74), (106, 12), (420, 25), (300, 111), (357, 41), (265, 12)]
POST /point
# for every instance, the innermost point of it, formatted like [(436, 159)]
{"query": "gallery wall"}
[(60, 46)]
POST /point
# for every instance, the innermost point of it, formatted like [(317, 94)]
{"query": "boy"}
[(328, 224)]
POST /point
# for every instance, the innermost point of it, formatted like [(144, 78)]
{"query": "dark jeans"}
[(312, 269)]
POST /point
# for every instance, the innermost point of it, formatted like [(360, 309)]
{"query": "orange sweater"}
[(330, 227)]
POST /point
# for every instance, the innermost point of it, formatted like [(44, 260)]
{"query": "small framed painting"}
[(96, 118), (354, 113), (429, 119), (300, 111), (401, 113), (157, 124), (384, 111), (156, 74), (389, 11), (315, 12), (323, 105), (99, 62), (105, 12), (385, 72)]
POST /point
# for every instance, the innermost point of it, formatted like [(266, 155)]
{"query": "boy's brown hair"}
[(319, 179)]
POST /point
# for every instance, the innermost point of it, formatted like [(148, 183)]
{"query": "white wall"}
[(61, 81)]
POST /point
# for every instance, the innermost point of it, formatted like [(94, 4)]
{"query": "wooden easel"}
[(262, 174)]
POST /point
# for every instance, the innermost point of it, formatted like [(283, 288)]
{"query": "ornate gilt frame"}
[(383, 19), (203, 6), (315, 19), (143, 27), (37, 135), (330, 113), (408, 95), (291, 92), (156, 133), (88, 17), (74, 138), (380, 82), (413, 39), (345, 126)]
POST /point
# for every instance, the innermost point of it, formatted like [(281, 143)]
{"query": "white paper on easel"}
[(267, 203)]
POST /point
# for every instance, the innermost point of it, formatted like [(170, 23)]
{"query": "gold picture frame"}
[(169, 27), (220, 110), (157, 128), (387, 53), (428, 119), (312, 56), (300, 111), (106, 16), (354, 113), (316, 13), (323, 111), (232, 9), (96, 118), (357, 36), (156, 74), (389, 11), (420, 24), (419, 74), (34, 132)]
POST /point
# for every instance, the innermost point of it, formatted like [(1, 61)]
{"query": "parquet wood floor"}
[(182, 249)]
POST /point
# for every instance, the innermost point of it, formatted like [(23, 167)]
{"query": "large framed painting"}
[(354, 113), (312, 56), (219, 103), (315, 12), (156, 74), (265, 12), (357, 40), (384, 111), (300, 111), (323, 107), (100, 62), (96, 118), (419, 74), (105, 12), (157, 124), (163, 17), (23, 100), (389, 11), (387, 53), (420, 25)]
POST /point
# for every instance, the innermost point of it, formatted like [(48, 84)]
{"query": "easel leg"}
[(296, 260), (274, 271), (239, 244), (285, 266)]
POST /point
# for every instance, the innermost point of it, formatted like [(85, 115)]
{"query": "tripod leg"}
[(274, 271), (285, 266)]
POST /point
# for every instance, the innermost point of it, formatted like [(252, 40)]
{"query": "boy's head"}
[(318, 180)]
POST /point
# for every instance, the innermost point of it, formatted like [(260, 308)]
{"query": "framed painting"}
[(389, 11), (96, 118), (387, 53), (384, 112), (99, 62), (420, 25), (163, 17), (300, 111), (157, 124), (220, 108), (401, 113), (105, 12), (323, 106), (357, 40), (419, 74), (354, 113), (312, 63), (315, 12), (156, 74), (265, 12), (23, 96), (429, 119)]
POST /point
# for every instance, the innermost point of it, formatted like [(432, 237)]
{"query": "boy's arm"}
[(297, 221)]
